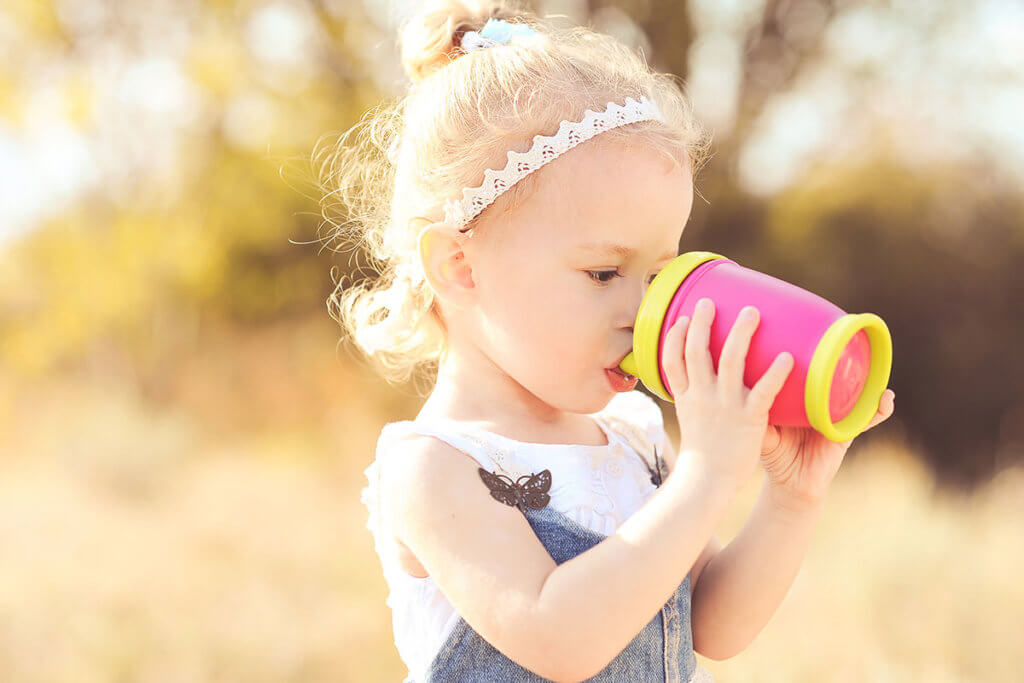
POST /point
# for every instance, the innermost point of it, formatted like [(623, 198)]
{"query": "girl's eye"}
[(600, 273), (610, 273)]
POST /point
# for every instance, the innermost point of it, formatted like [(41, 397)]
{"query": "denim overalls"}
[(662, 651)]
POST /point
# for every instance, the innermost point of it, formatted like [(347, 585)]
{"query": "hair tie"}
[(495, 32)]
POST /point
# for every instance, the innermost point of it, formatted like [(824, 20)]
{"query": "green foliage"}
[(231, 237)]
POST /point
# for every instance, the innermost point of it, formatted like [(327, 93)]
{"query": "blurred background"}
[(183, 436)]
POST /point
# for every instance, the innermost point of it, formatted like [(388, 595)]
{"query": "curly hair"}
[(462, 113)]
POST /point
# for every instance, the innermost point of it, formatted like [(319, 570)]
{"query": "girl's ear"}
[(445, 266)]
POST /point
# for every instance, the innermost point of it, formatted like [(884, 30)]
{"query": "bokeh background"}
[(183, 435)]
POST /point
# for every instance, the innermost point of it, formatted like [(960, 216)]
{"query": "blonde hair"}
[(461, 115)]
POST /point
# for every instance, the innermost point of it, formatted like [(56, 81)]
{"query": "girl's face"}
[(555, 302)]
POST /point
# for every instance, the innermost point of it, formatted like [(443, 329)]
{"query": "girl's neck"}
[(569, 428)]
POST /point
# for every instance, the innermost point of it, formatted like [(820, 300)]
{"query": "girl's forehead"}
[(605, 191)]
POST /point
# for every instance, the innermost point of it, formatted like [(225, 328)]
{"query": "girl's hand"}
[(721, 422), (800, 462)]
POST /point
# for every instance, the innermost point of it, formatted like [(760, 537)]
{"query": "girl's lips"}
[(619, 380)]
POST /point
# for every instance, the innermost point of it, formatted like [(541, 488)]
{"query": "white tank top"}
[(597, 486)]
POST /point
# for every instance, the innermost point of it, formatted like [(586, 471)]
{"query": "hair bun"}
[(432, 37)]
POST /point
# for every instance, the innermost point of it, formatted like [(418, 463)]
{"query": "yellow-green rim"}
[(651, 315), (823, 366)]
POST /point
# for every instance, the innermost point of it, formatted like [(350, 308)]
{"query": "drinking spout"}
[(629, 365)]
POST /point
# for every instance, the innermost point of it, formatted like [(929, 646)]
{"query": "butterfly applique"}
[(656, 477), (532, 492)]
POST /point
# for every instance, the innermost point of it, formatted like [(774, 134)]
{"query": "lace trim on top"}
[(587, 481)]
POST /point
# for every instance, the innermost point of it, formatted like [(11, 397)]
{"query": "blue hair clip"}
[(494, 32)]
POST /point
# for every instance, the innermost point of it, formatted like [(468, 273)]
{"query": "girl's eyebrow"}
[(618, 249)]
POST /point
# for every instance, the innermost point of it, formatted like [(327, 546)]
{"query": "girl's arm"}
[(713, 546), (743, 584), (564, 622)]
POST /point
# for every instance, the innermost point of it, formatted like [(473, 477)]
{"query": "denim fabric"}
[(662, 651)]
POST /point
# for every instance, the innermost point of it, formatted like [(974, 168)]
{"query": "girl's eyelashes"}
[(611, 273), (599, 273)]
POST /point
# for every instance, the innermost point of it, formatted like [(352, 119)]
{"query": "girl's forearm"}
[(743, 585), (602, 598)]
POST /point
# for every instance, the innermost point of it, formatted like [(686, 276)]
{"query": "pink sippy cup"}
[(842, 360)]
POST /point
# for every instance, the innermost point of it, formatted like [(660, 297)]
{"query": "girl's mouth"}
[(620, 380)]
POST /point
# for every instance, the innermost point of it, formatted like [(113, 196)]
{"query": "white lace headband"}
[(544, 149)]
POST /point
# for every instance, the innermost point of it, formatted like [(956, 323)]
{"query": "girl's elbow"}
[(564, 660), (586, 662), (716, 654), (547, 652), (568, 666), (574, 672), (561, 669), (560, 647), (714, 657)]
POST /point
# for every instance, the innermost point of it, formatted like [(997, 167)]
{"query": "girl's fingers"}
[(762, 396), (675, 369), (699, 365), (881, 416), (732, 363)]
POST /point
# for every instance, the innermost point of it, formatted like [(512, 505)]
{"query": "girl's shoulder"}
[(433, 433)]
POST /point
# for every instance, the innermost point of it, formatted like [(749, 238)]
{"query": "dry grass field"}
[(139, 547)]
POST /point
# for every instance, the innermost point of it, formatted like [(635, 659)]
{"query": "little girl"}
[(532, 521)]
